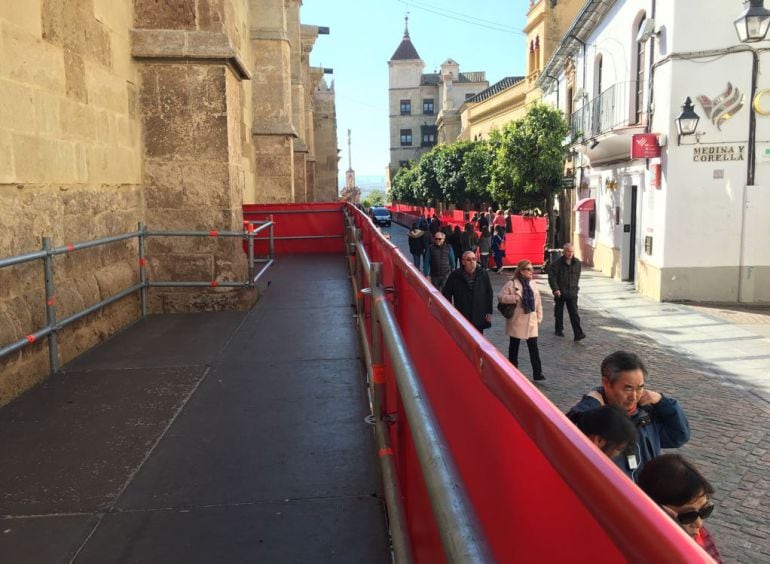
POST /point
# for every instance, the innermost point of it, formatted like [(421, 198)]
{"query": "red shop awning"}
[(586, 204)]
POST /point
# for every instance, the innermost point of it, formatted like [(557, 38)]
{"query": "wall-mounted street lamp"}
[(753, 23), (686, 121)]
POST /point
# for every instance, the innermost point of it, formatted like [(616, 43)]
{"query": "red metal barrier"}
[(299, 228), (541, 490), (527, 240)]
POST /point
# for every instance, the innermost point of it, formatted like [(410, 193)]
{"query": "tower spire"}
[(350, 158), (406, 25)]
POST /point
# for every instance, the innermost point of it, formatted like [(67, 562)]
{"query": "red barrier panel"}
[(299, 228), (527, 241), (541, 490)]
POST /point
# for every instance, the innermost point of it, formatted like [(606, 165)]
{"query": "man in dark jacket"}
[(439, 261), (418, 244), (659, 420), (471, 291), (564, 279)]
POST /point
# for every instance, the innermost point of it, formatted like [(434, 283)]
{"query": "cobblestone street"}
[(728, 419)]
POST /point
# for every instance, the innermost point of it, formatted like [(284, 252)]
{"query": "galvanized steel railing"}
[(48, 252), (462, 536)]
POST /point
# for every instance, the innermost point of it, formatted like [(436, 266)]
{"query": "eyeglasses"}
[(691, 516), (527, 268)]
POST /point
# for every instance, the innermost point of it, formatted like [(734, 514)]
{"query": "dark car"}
[(381, 216)]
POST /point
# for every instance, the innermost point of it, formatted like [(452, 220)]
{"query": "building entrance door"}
[(628, 246)]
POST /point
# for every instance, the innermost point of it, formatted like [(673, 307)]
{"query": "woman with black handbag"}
[(527, 315)]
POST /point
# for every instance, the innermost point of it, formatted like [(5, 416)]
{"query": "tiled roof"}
[(430, 78), (496, 88), (405, 50), (472, 77), (465, 77)]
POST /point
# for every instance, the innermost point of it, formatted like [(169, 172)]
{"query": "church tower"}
[(409, 107)]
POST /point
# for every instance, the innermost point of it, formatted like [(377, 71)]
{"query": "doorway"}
[(628, 247)]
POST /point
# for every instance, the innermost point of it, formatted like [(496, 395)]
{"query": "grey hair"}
[(621, 361)]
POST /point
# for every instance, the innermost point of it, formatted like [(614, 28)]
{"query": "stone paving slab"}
[(725, 392)]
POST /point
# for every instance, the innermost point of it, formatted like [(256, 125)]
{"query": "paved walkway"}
[(203, 438), (718, 369)]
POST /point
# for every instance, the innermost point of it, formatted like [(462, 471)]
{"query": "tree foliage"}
[(373, 198), (529, 158), (521, 164)]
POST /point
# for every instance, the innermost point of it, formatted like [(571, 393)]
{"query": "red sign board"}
[(655, 175), (645, 146)]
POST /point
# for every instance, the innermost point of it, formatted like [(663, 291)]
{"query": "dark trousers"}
[(572, 310), (534, 354)]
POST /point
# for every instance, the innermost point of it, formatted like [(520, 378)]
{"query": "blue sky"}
[(364, 35)]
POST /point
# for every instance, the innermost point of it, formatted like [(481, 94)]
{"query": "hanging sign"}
[(655, 175), (644, 146)]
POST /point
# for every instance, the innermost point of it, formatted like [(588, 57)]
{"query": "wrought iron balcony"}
[(614, 108)]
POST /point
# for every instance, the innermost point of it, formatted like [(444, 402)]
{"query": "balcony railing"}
[(612, 109)]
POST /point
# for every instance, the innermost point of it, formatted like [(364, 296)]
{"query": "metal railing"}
[(462, 536), (613, 108), (48, 252)]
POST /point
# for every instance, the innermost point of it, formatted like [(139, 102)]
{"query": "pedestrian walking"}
[(439, 260), (564, 280), (435, 225), (417, 245), (456, 240), (469, 240), (523, 325), (470, 290), (485, 247), (498, 248), (660, 420)]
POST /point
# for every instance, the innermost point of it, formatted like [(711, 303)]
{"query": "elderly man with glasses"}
[(439, 260), (470, 289)]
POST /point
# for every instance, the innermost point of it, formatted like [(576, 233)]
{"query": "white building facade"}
[(691, 223)]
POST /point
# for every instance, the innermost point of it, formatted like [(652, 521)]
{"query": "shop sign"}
[(644, 146), (655, 175), (718, 153)]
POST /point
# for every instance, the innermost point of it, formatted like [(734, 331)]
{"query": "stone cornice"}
[(286, 129), (203, 47), (268, 34)]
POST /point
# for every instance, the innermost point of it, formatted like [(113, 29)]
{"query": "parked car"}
[(380, 215)]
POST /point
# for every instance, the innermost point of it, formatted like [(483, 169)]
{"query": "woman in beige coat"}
[(527, 316)]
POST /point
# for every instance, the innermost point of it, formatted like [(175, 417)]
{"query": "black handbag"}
[(506, 309)]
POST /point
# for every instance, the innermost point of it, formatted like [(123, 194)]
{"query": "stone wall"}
[(70, 170), (172, 114)]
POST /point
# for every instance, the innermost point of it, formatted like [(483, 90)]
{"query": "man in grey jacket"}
[(564, 280)]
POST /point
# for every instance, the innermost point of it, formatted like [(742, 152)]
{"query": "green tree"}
[(449, 171), (529, 160), (427, 187), (476, 170), (374, 198), (404, 185)]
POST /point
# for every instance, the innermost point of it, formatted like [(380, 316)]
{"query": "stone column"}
[(297, 99), (191, 110), (273, 132)]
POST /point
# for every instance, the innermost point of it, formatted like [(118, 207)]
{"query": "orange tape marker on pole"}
[(31, 338), (213, 233), (385, 452), (378, 373), (51, 302), (214, 283), (70, 248), (142, 261)]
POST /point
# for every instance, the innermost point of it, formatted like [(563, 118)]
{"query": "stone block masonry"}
[(116, 112)]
